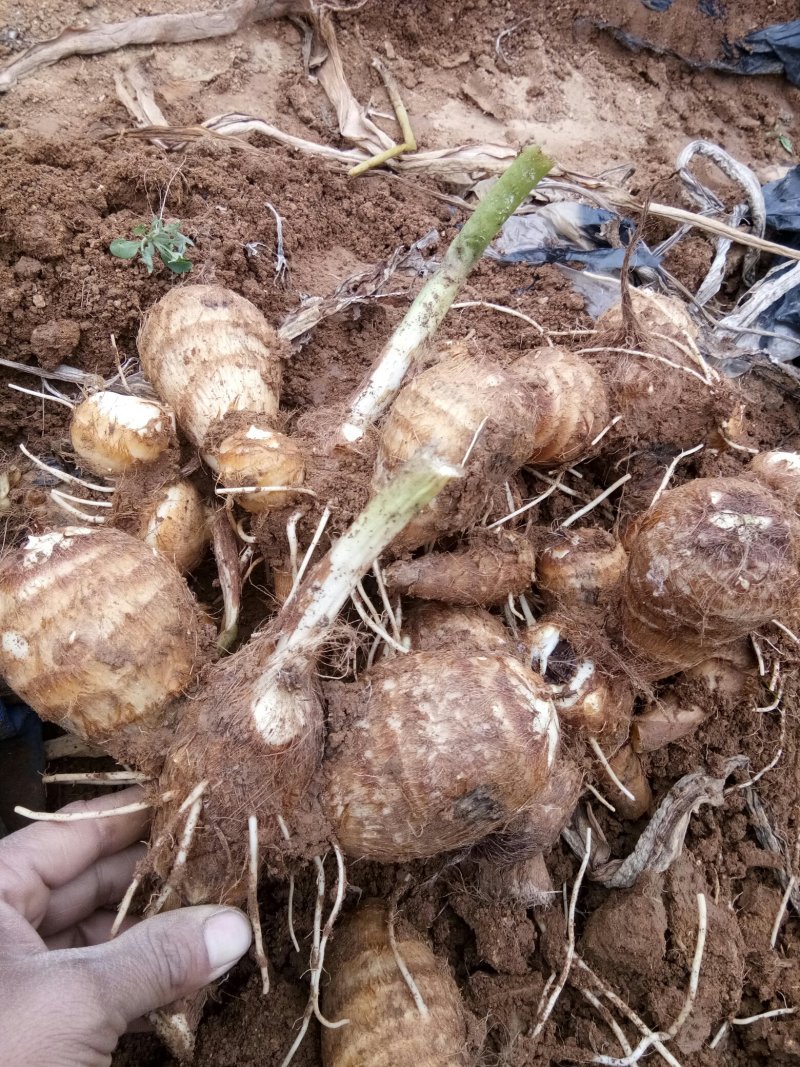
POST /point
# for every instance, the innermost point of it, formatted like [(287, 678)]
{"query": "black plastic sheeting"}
[(773, 50), (782, 201), (570, 233)]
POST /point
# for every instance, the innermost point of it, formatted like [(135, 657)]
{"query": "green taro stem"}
[(425, 315), (313, 611)]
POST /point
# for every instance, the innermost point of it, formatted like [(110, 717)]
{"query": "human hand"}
[(67, 993)]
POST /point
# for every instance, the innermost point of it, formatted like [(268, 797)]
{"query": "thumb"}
[(167, 957)]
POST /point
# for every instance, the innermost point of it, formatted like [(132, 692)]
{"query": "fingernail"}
[(227, 936)]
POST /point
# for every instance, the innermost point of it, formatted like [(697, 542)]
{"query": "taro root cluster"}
[(505, 639)]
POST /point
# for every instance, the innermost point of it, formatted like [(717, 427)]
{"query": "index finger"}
[(48, 855)]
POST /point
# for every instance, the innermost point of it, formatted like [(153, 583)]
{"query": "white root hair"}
[(290, 906), (124, 908), (319, 942), (595, 747), (70, 509), (596, 793), (566, 967), (723, 1030), (776, 926), (82, 816), (787, 631), (646, 355), (247, 490), (62, 476), (762, 667), (195, 808), (506, 311), (387, 603), (377, 628), (601, 435), (671, 470), (764, 1015), (57, 398), (291, 537), (526, 610), (772, 763), (323, 522), (474, 440), (651, 1038), (99, 777), (83, 499), (628, 1012), (252, 902), (608, 1019), (402, 966), (597, 500), (525, 507)]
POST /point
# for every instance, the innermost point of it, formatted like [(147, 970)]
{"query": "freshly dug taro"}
[(213, 357), (431, 626), (111, 432), (390, 1023), (585, 696), (437, 750), (575, 568), (781, 472), (459, 407), (545, 409), (98, 632), (175, 522), (491, 567), (568, 404), (712, 561)]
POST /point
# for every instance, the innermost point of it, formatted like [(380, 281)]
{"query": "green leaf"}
[(147, 256), (179, 266), (786, 144), (166, 251), (140, 229), (123, 249)]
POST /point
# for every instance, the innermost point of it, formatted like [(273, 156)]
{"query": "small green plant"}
[(164, 238)]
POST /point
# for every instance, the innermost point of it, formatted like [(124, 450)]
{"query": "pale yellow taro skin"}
[(175, 524), (97, 631), (366, 986), (458, 405), (208, 353), (576, 567), (110, 432), (440, 749), (781, 472), (259, 457), (569, 404)]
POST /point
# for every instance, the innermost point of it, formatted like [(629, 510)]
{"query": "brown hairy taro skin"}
[(438, 750), (253, 734), (493, 566), (577, 567), (97, 631), (568, 404), (432, 626), (386, 1028), (710, 562), (443, 409), (662, 323), (209, 353)]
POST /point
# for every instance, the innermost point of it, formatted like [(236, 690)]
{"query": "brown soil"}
[(553, 78)]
